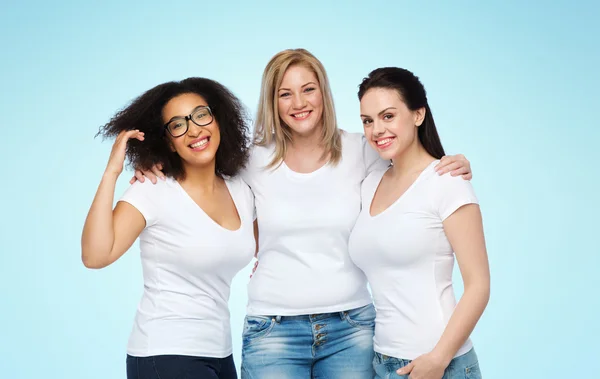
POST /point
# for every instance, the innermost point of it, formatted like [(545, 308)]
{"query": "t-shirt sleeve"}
[(373, 161), (452, 193), (248, 196), (139, 195)]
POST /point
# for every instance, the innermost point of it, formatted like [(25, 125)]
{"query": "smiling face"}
[(198, 147), (390, 127), (300, 101)]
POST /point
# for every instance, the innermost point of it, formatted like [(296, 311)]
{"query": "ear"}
[(420, 116)]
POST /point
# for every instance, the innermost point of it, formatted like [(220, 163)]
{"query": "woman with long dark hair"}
[(412, 224)]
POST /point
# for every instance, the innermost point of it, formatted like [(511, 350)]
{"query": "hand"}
[(427, 366), (155, 172), (117, 154), (456, 165)]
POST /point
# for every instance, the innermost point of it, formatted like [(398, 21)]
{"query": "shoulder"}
[(260, 156), (147, 189), (238, 184), (446, 182), (448, 192), (353, 144), (352, 138)]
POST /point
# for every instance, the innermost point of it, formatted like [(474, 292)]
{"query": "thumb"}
[(406, 369)]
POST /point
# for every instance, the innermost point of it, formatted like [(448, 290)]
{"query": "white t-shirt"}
[(188, 263), (304, 222), (408, 261)]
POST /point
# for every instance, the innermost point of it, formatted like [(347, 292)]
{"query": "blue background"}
[(513, 86)]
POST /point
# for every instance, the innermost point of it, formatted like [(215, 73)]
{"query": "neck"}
[(413, 159), (307, 142), (201, 178)]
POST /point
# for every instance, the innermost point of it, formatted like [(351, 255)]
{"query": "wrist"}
[(110, 174), (442, 356)]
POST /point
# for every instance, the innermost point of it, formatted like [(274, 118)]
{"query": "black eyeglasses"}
[(178, 126)]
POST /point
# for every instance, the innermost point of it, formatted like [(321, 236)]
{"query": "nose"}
[(194, 130), (378, 128), (298, 101)]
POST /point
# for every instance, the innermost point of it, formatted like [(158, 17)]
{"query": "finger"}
[(157, 173), (460, 171), (443, 162), (124, 137), (139, 176), (406, 369), (468, 176), (159, 166), (450, 167), (132, 180)]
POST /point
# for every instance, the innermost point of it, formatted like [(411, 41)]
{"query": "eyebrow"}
[(380, 113), (287, 89)]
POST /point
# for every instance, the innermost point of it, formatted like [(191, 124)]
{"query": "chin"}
[(387, 154), (304, 130)]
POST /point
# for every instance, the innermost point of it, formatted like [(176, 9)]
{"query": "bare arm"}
[(107, 234), (464, 229), (256, 238)]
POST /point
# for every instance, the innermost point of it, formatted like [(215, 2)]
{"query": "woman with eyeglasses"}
[(195, 227)]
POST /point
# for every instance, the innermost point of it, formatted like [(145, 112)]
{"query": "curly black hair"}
[(145, 114)]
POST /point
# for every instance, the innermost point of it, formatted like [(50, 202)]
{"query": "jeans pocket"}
[(473, 371), (256, 327), (363, 317)]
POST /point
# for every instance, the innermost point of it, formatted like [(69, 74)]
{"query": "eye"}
[(309, 89), (388, 116), (366, 121), (284, 94)]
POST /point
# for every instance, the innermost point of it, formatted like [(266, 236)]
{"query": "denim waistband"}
[(468, 358), (317, 316)]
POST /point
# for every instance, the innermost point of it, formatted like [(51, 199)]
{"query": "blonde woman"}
[(309, 311)]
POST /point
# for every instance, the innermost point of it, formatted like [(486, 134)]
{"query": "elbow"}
[(480, 288), (91, 262)]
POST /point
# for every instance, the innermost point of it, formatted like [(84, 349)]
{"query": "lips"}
[(301, 115), (199, 144), (383, 143)]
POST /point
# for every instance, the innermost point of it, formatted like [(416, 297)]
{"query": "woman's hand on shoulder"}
[(456, 165)]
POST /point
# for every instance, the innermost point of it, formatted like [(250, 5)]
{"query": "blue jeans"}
[(465, 366), (327, 345), (180, 367)]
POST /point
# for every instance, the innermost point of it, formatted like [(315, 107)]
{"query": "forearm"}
[(466, 315), (98, 232)]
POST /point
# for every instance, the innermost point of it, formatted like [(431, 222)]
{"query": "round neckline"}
[(302, 175)]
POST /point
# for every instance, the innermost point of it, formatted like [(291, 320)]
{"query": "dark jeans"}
[(180, 367)]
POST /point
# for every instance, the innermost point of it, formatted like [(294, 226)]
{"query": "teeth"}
[(383, 141), (301, 115), (198, 144)]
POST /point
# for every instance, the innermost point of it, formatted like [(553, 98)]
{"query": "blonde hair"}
[(269, 127)]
